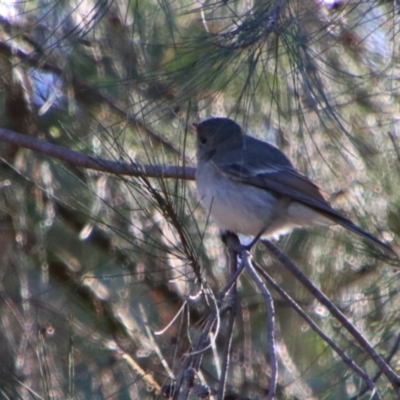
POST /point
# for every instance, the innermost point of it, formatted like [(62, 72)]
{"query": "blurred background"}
[(106, 281)]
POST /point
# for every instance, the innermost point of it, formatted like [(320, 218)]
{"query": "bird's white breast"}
[(236, 207), (247, 210)]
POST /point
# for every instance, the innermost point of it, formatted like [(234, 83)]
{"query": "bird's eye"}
[(202, 139)]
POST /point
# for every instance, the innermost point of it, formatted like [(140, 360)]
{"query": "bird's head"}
[(217, 133)]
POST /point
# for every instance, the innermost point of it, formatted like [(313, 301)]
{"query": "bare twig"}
[(232, 316), (270, 322), (82, 160), (358, 336), (379, 373), (346, 359), (194, 358)]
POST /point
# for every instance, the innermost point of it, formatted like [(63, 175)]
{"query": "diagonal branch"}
[(357, 335), (346, 359)]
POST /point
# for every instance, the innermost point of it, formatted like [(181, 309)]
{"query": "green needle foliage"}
[(111, 285)]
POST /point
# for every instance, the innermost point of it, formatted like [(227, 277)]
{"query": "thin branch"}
[(193, 359), (270, 322), (346, 359), (379, 373), (358, 336), (78, 159), (232, 316)]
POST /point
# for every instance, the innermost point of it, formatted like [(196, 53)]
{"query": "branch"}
[(193, 359), (369, 383), (379, 373), (99, 164), (226, 353), (357, 335), (269, 303)]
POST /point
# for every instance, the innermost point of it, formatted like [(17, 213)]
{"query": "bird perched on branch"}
[(251, 188)]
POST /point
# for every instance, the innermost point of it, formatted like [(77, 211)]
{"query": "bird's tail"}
[(368, 237)]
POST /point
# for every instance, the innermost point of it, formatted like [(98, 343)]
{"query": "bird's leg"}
[(249, 246), (226, 238), (281, 209), (230, 240)]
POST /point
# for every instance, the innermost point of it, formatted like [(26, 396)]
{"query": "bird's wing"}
[(271, 170), (281, 179)]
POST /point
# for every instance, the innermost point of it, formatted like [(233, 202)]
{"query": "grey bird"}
[(251, 188)]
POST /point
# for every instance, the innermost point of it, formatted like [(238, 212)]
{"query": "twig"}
[(78, 159), (358, 336), (346, 359), (233, 268), (379, 373), (194, 358), (270, 322), (182, 388)]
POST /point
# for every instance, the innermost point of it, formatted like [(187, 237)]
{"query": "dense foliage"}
[(109, 283)]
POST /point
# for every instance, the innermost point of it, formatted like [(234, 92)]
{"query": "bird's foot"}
[(231, 240)]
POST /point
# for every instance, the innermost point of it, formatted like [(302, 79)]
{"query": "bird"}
[(251, 188)]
